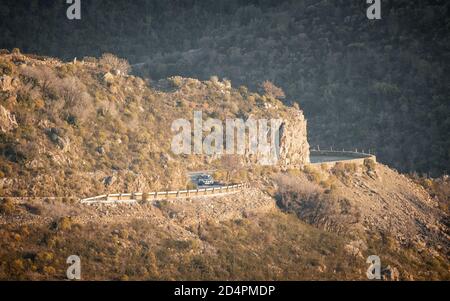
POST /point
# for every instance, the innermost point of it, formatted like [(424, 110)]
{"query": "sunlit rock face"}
[(294, 146), (291, 148)]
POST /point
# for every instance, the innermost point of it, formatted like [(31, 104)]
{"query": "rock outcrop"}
[(7, 120), (294, 146), (287, 142), (6, 83)]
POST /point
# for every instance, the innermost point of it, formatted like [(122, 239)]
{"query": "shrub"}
[(43, 75), (370, 164), (49, 270), (7, 206), (89, 59), (70, 89), (313, 174), (17, 266), (272, 91), (39, 103), (77, 102), (179, 245), (27, 94), (344, 169), (176, 81), (232, 165), (191, 186), (63, 224), (114, 63), (220, 175), (45, 257), (6, 67), (329, 184), (296, 188)]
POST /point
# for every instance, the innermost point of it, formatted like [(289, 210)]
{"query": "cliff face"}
[(287, 139), (294, 146)]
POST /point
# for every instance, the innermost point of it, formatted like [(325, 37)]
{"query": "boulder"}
[(6, 83), (7, 120)]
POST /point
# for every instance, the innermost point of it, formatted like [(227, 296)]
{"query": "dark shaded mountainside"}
[(379, 85)]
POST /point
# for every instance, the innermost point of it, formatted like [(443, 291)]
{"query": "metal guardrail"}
[(344, 151), (130, 198)]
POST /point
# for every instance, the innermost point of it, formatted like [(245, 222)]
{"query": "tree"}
[(271, 90), (231, 164), (115, 63)]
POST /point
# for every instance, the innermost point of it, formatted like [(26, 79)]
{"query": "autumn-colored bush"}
[(6, 67), (63, 224), (370, 165), (296, 188), (114, 63), (344, 171), (313, 174), (7, 206), (271, 90)]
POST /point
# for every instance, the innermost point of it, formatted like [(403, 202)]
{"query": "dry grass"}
[(297, 187)]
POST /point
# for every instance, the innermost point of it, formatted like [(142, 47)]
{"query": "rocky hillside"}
[(320, 230), (85, 128), (370, 202)]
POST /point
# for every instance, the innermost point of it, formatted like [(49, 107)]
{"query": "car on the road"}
[(205, 180)]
